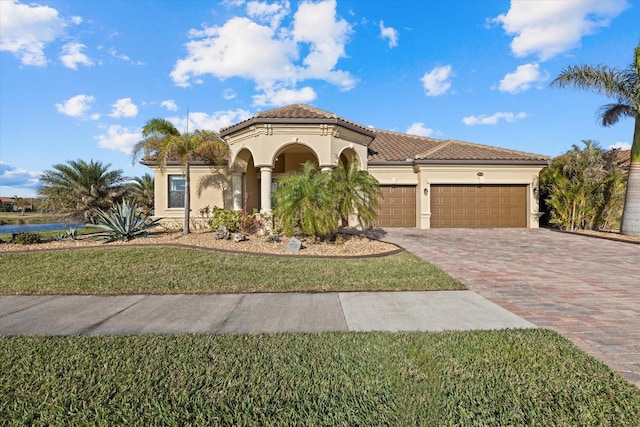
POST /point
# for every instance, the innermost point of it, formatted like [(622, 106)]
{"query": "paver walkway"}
[(585, 288)]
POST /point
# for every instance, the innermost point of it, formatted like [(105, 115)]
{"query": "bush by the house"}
[(583, 189), (26, 238)]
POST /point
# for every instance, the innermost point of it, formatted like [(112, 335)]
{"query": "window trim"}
[(170, 178)]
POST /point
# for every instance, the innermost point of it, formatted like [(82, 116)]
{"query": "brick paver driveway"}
[(585, 288)]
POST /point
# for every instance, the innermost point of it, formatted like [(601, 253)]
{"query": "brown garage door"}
[(398, 206), (478, 206)]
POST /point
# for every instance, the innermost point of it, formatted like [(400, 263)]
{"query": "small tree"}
[(584, 188), (356, 192), (305, 199), (317, 202), (21, 204)]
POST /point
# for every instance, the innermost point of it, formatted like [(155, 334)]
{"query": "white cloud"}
[(270, 13), (437, 81), (26, 30), (270, 55), (169, 104), (114, 53), (119, 138), (419, 129), (77, 20), (494, 119), (229, 94), (521, 79), (240, 48), (284, 96), (76, 106), (548, 28), (317, 25), (123, 108), (620, 145), (214, 122), (11, 176), (390, 34), (72, 56)]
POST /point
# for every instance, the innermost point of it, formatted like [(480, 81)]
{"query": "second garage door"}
[(398, 206), (478, 206)]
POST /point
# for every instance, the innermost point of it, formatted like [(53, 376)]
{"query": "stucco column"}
[(265, 189), (236, 189)]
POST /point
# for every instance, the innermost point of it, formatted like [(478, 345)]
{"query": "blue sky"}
[(79, 79)]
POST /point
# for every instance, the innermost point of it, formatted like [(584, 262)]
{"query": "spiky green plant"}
[(125, 221), (69, 234)]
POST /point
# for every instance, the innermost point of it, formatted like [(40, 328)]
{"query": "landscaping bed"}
[(345, 246), (515, 377)]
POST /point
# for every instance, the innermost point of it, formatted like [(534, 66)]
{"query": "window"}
[(176, 191)]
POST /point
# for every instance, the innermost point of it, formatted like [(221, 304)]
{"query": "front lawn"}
[(515, 377), (158, 270)]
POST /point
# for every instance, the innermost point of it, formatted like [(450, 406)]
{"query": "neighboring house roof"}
[(392, 147), (623, 157)]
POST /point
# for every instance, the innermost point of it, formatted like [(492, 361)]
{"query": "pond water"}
[(34, 228)]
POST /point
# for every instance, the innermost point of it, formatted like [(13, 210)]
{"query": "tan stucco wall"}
[(218, 195), (327, 142)]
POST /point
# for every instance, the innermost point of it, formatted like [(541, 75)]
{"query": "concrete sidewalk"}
[(252, 313)]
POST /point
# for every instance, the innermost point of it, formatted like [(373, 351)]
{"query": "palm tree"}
[(143, 190), (77, 188), (305, 199), (624, 86), (21, 204), (356, 193), (163, 142)]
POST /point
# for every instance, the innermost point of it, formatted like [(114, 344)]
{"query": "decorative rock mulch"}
[(347, 246)]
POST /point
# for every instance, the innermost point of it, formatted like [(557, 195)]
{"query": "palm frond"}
[(611, 114)]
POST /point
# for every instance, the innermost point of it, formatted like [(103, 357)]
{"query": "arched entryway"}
[(253, 184)]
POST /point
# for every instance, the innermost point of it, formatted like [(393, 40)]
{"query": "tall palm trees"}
[(163, 142), (77, 188), (624, 86)]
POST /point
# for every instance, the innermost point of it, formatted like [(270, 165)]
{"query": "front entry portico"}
[(262, 150)]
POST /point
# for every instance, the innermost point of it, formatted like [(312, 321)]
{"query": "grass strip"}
[(515, 377), (158, 270)]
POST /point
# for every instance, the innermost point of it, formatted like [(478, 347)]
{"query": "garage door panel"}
[(478, 206), (397, 206)]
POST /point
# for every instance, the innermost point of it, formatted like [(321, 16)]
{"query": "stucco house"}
[(426, 182)]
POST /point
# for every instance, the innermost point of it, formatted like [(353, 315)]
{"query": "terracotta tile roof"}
[(297, 111), (395, 146), (390, 146), (623, 157), (300, 113)]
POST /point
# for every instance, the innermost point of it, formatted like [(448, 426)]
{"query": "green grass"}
[(489, 378), (157, 270)]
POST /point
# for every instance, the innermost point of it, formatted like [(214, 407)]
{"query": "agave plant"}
[(124, 222), (69, 234)]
